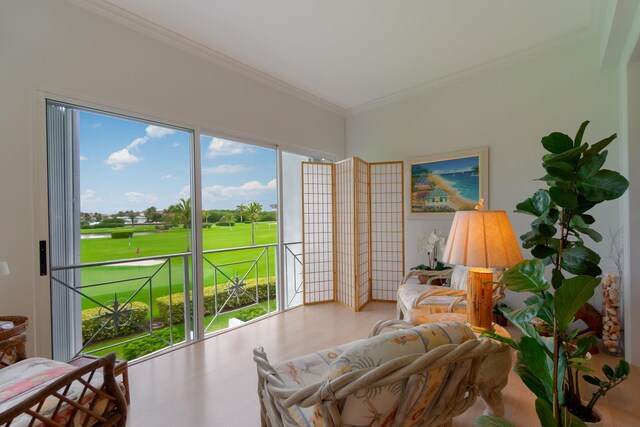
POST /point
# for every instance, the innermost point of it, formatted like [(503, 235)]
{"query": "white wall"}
[(54, 46), (631, 295), (508, 110)]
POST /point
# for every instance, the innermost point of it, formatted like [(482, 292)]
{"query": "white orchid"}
[(433, 244)]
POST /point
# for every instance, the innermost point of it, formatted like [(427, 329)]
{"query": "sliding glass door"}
[(160, 235), (121, 235)]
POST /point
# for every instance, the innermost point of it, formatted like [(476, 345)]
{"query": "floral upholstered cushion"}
[(22, 380), (409, 292), (376, 406), (306, 370)]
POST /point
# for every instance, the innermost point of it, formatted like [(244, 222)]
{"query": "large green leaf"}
[(597, 237), (526, 276), (571, 296), (581, 260), (535, 205), (545, 413), (531, 380), (560, 171), (565, 199), (604, 185), (541, 365), (596, 148), (556, 278), (543, 251), (489, 421), (557, 142), (578, 139), (592, 166)]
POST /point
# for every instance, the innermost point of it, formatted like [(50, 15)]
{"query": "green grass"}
[(137, 228), (167, 242)]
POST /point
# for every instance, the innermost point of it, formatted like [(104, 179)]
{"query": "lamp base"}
[(480, 299)]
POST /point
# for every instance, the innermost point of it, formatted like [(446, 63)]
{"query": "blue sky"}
[(130, 165), (453, 165)]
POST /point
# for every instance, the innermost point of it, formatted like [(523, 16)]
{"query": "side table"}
[(120, 369), (494, 371)]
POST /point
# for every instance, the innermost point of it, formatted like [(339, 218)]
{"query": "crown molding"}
[(137, 23), (593, 30)]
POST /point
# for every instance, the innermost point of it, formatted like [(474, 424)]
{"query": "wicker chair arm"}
[(443, 274), (391, 323), (114, 414), (13, 350), (460, 294)]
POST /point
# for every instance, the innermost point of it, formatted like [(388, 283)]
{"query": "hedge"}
[(92, 322), (149, 344), (121, 234), (247, 298), (250, 313), (225, 224)]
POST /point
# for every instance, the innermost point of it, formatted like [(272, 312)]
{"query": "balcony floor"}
[(213, 382)]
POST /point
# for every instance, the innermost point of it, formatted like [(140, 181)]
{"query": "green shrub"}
[(149, 344), (250, 313), (225, 224), (264, 285), (206, 225), (92, 322), (121, 234)]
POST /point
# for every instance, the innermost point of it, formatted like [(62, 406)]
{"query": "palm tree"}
[(253, 213), (183, 212), (241, 210), (205, 216), (228, 218)]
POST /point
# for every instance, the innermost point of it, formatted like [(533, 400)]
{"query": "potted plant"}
[(551, 366), (433, 244)]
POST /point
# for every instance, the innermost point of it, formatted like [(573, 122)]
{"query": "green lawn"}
[(167, 242), (145, 283)]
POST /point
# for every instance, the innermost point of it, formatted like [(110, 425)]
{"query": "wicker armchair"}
[(43, 392), (415, 300), (422, 375)]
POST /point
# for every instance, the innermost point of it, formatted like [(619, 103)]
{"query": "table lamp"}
[(4, 268), (481, 240)]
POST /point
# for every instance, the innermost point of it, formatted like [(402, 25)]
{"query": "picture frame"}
[(441, 184)]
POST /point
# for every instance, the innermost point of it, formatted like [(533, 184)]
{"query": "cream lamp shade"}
[(4, 268), (482, 239)]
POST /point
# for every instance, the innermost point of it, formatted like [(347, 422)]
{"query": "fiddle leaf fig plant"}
[(552, 357)]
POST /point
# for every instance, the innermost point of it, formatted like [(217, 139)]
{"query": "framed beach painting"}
[(442, 184)]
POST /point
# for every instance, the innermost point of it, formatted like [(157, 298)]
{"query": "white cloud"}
[(88, 194), (158, 132), (96, 125), (169, 176), (248, 190), (134, 196), (175, 145), (222, 147), (185, 192), (82, 158), (225, 169), (117, 160)]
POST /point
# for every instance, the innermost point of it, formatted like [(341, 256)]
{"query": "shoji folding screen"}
[(353, 231)]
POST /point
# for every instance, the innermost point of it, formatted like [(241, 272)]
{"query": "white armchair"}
[(415, 299)]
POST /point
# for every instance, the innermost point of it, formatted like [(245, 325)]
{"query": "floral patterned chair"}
[(416, 300), (422, 375)]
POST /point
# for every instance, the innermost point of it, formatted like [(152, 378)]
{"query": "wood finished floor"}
[(213, 382)]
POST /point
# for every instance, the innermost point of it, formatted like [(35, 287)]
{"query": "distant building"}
[(422, 184), (436, 197)]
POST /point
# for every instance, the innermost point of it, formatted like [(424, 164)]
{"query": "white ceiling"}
[(357, 53)]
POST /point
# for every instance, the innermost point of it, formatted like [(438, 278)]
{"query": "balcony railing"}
[(141, 305)]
